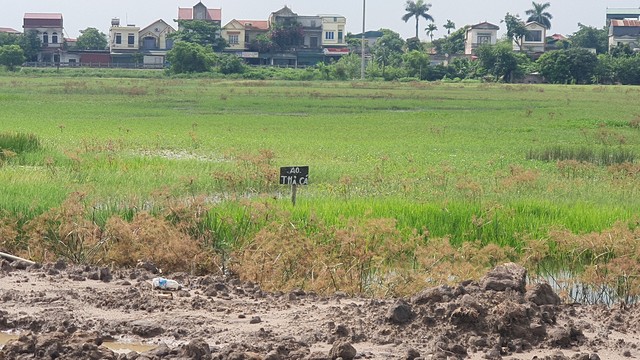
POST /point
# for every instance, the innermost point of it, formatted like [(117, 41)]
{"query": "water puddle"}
[(127, 347), (119, 347), (4, 338)]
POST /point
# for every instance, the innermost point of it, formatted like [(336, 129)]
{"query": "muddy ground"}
[(57, 311)]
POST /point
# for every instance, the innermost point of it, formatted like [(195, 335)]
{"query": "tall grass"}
[(19, 142), (604, 156)]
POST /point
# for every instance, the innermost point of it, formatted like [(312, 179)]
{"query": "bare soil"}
[(70, 312)]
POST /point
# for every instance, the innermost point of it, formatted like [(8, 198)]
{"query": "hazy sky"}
[(80, 14)]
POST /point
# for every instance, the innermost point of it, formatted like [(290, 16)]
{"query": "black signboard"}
[(294, 175)]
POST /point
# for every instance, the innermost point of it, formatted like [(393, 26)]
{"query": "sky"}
[(81, 14)]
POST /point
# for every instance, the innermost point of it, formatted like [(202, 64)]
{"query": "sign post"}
[(294, 176)]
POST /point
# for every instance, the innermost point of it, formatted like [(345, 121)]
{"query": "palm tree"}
[(416, 9), (450, 25), (539, 14), (430, 29)]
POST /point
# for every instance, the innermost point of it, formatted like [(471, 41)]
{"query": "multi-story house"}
[(535, 41), (240, 36), (50, 29), (624, 32), (480, 34), (154, 42), (147, 46), (323, 37)]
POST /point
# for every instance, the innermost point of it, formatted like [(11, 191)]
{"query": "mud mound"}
[(68, 311)]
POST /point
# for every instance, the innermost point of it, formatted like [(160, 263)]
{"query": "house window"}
[(54, 38), (533, 36), (340, 36), (118, 38), (45, 37), (484, 39), (246, 38), (313, 23), (131, 40), (329, 35), (313, 41), (233, 39)]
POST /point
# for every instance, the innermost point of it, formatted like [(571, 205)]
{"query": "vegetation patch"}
[(604, 156)]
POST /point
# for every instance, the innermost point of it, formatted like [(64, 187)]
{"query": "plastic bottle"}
[(165, 284)]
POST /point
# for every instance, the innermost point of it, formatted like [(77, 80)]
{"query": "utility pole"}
[(364, 6)]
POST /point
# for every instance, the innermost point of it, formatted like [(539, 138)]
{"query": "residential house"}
[(556, 42), (534, 42), (129, 44), (480, 34), (240, 34), (323, 38), (155, 42), (624, 32), (334, 40), (50, 29), (200, 12), (124, 41)]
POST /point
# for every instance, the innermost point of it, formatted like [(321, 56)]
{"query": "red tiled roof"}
[(43, 16), (187, 14), (8, 30), (558, 37), (255, 24), (625, 23)]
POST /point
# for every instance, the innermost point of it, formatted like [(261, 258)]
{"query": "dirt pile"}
[(72, 312)]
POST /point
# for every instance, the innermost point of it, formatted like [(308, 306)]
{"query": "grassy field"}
[(472, 163)]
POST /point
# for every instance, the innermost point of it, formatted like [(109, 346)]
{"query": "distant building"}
[(624, 32), (200, 12), (50, 29), (240, 35), (622, 14), (7, 30), (534, 42), (480, 34), (129, 44)]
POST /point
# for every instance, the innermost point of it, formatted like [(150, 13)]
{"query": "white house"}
[(123, 38), (50, 29), (483, 33), (333, 30), (534, 42)]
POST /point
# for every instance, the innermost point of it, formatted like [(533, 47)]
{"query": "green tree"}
[(591, 38), (347, 67), (200, 32), (539, 14), (230, 64), (516, 29), (188, 57), (414, 44), (430, 29), (450, 25), (417, 9), (452, 44), (569, 66), (287, 36), (11, 56), (387, 51), (91, 39), (262, 43), (627, 70), (415, 64), (501, 61)]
